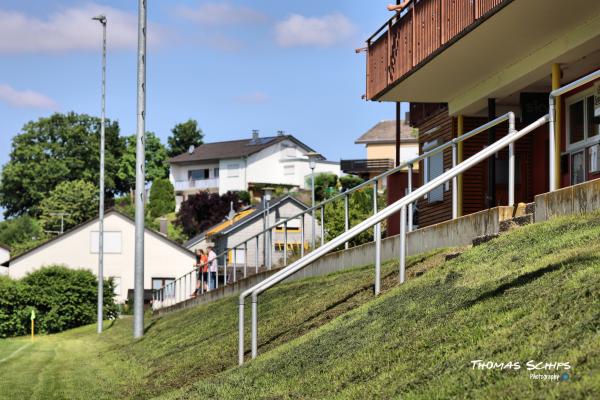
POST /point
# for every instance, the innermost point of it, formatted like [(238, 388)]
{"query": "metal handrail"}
[(509, 116), (399, 205)]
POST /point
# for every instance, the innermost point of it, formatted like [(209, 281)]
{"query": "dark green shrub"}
[(63, 299), (162, 198)]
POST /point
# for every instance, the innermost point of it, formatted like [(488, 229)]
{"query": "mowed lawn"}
[(180, 348), (531, 294)]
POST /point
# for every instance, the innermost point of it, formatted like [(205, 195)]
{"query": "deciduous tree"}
[(183, 136)]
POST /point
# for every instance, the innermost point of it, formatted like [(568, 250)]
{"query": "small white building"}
[(164, 260), (250, 222), (245, 165), (4, 256)]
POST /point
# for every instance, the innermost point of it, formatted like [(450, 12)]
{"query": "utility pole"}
[(102, 20), (140, 179)]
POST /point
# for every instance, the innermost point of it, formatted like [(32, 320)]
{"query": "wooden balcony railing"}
[(366, 165), (412, 36)]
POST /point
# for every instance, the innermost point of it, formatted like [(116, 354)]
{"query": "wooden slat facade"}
[(444, 128)]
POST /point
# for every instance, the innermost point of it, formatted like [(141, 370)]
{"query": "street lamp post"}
[(102, 20), (268, 192), (140, 178), (312, 163)]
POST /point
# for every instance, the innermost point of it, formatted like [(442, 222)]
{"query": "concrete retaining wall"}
[(578, 199)]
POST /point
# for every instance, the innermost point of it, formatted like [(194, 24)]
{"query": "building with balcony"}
[(380, 144), (246, 164), (461, 63)]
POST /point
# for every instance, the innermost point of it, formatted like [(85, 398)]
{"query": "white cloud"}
[(325, 31), (220, 14), (252, 98), (69, 29), (26, 98)]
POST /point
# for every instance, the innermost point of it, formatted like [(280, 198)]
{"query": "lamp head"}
[(100, 18), (312, 159), (268, 193)]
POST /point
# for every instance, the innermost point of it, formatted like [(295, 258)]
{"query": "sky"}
[(232, 65)]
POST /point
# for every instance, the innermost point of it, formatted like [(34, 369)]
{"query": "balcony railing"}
[(366, 166), (409, 38), (202, 184)]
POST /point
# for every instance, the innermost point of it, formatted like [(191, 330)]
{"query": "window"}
[(198, 174), (240, 256), (593, 122), (233, 170), (216, 172), (289, 151), (117, 285), (577, 170), (158, 283), (292, 226), (576, 122), (434, 167), (112, 242), (594, 157), (289, 169)]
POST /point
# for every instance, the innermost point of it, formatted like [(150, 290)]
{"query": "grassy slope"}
[(533, 294), (180, 348)]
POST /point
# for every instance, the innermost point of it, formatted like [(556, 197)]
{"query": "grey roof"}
[(109, 211), (258, 209), (385, 132), (233, 149)]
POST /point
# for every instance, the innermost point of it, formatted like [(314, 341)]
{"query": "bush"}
[(162, 198), (350, 181), (63, 299)]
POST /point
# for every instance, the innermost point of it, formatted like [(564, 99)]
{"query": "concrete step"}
[(484, 239)]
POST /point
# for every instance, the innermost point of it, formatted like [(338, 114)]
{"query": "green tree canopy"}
[(62, 147), (157, 161), (183, 136), (162, 198), (78, 200), (21, 233)]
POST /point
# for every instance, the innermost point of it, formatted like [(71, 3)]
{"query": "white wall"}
[(4, 256), (161, 259), (230, 178), (269, 165)]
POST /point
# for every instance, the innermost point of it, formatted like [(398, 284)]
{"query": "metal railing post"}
[(377, 239), (285, 244), (202, 282), (402, 243), (225, 269), (322, 225), (257, 255), (410, 206), (217, 276), (245, 259), (254, 326), (511, 165), (241, 333), (552, 114), (302, 237), (346, 219), (234, 264), (454, 182)]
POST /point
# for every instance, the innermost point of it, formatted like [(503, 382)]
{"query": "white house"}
[(4, 256), (245, 164), (164, 260), (250, 222)]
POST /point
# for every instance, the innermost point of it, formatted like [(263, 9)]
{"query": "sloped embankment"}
[(530, 295)]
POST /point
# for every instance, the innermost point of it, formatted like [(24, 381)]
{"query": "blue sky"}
[(232, 65)]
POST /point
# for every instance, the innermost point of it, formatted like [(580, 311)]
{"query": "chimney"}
[(164, 226), (254, 134), (280, 133)]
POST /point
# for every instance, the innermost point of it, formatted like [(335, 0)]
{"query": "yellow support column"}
[(460, 131), (556, 75)]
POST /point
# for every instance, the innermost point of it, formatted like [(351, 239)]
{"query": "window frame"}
[(587, 140)]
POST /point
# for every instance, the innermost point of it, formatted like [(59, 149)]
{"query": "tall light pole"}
[(140, 179), (102, 20), (312, 163)]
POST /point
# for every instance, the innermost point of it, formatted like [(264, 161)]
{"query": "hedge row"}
[(62, 298)]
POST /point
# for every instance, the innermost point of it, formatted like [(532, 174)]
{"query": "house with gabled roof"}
[(246, 164), (239, 230), (77, 248)]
